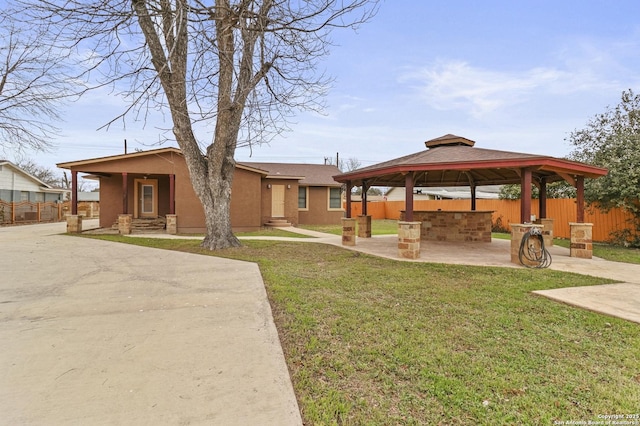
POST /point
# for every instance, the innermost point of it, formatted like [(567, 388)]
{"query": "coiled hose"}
[(532, 249)]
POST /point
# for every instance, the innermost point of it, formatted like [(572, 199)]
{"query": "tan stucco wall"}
[(290, 199), (245, 197), (250, 197), (319, 213), (245, 200), (111, 200)]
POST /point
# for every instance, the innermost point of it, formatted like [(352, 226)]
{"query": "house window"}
[(24, 195), (335, 199), (39, 197), (303, 198)]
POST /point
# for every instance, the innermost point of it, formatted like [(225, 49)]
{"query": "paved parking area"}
[(102, 333)]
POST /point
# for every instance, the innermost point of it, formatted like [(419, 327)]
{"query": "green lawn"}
[(378, 227), (376, 341), (271, 232), (608, 251)]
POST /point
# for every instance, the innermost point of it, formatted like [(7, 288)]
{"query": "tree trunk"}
[(211, 178), (217, 208)]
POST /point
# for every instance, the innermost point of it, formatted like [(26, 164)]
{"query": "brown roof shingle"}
[(310, 174)]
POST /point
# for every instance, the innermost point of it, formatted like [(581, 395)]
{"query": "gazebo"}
[(453, 160)]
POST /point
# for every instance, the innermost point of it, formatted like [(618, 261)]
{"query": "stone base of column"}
[(172, 224), (364, 226), (74, 224), (547, 232), (581, 240), (409, 240), (348, 231), (518, 231), (124, 223)]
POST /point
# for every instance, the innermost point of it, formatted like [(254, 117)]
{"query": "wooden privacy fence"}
[(505, 212), (29, 212)]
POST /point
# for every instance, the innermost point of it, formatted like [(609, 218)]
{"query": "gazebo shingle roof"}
[(453, 161)]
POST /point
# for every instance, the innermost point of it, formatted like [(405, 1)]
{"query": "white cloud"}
[(456, 85)]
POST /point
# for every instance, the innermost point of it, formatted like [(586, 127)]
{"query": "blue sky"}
[(511, 75)]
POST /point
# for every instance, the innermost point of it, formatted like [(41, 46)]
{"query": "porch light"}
[(269, 186)]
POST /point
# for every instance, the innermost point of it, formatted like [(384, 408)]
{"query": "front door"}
[(146, 193), (277, 201)]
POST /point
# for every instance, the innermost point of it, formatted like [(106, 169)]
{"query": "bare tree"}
[(349, 165), (32, 86), (241, 66)]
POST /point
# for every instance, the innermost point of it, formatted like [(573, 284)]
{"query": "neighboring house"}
[(17, 185), (149, 184), (488, 192)]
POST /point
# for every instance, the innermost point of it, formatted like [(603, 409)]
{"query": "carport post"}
[(364, 197), (580, 199), (74, 192), (542, 200), (473, 197), (408, 208), (348, 196), (125, 192), (172, 194), (525, 196)]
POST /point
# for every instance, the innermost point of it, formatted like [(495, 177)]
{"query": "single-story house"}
[(154, 183), (18, 185)]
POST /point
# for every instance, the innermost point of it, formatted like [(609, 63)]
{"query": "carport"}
[(453, 160)]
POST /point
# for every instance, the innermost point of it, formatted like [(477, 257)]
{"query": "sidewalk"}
[(100, 333), (620, 300)]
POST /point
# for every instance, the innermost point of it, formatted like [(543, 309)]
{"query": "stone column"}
[(124, 223), (364, 226), (74, 224), (581, 240), (409, 240), (547, 233), (172, 224), (348, 231), (517, 234)]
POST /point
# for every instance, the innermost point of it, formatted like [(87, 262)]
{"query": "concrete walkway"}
[(619, 300), (99, 333)]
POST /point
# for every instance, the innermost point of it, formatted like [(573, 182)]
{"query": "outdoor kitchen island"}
[(462, 225)]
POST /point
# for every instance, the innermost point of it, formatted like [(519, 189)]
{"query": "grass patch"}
[(501, 235), (608, 251), (378, 227), (271, 232), (375, 341)]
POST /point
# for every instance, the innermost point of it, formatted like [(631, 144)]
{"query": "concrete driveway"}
[(100, 333)]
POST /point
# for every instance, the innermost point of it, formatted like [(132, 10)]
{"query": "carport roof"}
[(452, 160)]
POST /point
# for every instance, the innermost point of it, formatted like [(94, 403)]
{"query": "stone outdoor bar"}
[(466, 225)]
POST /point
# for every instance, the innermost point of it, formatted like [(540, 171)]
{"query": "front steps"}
[(278, 223), (154, 225)]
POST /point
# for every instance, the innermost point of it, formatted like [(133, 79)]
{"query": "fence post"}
[(13, 212)]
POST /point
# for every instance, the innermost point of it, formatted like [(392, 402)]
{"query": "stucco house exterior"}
[(18, 185), (155, 183)]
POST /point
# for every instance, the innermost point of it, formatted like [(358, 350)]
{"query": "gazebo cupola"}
[(449, 140)]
